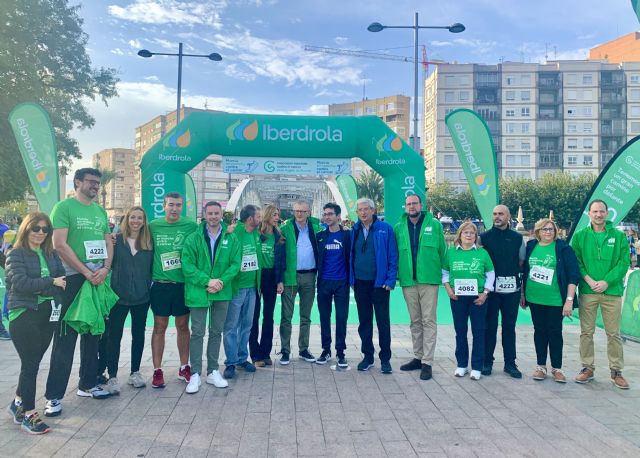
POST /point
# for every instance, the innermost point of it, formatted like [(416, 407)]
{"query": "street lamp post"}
[(214, 56), (454, 28)]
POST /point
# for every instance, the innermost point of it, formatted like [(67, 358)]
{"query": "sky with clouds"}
[(265, 68)]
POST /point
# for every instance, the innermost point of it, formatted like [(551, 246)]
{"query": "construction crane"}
[(373, 55)]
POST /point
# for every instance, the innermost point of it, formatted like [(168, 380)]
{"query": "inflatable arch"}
[(163, 167)]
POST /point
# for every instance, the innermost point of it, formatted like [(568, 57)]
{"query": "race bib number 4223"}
[(95, 249), (171, 261)]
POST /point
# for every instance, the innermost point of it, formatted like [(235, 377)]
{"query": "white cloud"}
[(152, 78), (135, 44), (171, 12), (117, 52), (440, 44), (340, 40), (334, 93)]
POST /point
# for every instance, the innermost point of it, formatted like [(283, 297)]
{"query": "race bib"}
[(95, 249), (171, 261), (506, 284), (541, 274), (465, 287), (249, 263), (55, 311)]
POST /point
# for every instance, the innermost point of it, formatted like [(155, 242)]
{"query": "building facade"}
[(393, 110), (118, 194), (560, 116), (622, 49)]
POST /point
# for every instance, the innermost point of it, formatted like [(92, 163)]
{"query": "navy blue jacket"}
[(322, 237), (386, 249), (567, 268)]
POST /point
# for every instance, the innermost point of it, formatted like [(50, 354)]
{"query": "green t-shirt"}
[(467, 270), (267, 254), (168, 239), (248, 276), (87, 225), (542, 284)]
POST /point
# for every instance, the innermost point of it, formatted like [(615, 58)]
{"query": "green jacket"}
[(92, 304), (608, 262), (197, 268), (291, 247), (431, 253), (243, 237)]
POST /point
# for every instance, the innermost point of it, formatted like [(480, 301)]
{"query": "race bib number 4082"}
[(465, 287)]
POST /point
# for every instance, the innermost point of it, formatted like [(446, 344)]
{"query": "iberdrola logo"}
[(243, 130), (43, 181), (389, 144), (179, 139), (483, 187)]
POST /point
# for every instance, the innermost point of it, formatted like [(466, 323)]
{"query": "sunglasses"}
[(37, 229)]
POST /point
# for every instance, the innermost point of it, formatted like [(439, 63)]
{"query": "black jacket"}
[(280, 258), (322, 237), (24, 280), (131, 275), (567, 268)]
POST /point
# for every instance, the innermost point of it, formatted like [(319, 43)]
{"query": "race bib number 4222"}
[(95, 249)]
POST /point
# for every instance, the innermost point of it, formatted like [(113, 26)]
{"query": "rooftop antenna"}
[(546, 52), (555, 52)]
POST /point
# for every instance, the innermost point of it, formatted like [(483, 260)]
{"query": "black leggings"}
[(116, 321), (547, 333), (31, 333)]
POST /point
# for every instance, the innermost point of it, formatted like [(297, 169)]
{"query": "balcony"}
[(612, 98), (549, 128), (548, 161), (605, 156), (549, 99), (549, 115), (611, 114), (486, 100), (549, 83), (613, 131), (612, 82), (488, 84)]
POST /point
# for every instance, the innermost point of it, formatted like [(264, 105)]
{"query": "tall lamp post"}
[(454, 28), (213, 56)]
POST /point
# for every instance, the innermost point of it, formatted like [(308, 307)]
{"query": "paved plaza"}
[(311, 410)]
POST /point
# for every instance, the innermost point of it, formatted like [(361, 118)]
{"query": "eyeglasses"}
[(93, 182), (37, 229), (547, 229), (328, 214), (300, 211)]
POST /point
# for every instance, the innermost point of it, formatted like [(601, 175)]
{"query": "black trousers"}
[(547, 333), (261, 349), (64, 346), (507, 305), (115, 325), (370, 299), (328, 292), (31, 333)]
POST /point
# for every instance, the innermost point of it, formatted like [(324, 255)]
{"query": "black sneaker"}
[(4, 334), (308, 357), (229, 372), (16, 411), (425, 373), (34, 425), (412, 365), (324, 357), (365, 365), (284, 359), (486, 369), (342, 361), (513, 371), (385, 367)]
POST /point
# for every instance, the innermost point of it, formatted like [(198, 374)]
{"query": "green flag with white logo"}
[(190, 191), (635, 4), (472, 140), (32, 128), (349, 191)]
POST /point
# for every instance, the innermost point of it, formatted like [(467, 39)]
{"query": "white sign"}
[(286, 166)]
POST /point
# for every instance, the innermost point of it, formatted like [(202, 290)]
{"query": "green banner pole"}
[(349, 191), (192, 202)]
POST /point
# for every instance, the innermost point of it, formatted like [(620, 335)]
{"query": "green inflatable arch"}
[(201, 134)]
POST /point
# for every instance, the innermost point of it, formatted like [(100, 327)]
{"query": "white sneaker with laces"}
[(475, 375), (137, 380), (194, 384), (97, 392), (113, 386), (216, 379), (53, 408), (461, 371)]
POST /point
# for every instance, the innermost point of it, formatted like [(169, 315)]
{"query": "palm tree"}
[(107, 177), (371, 185)]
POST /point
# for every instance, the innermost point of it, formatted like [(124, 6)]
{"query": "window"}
[(510, 80), (572, 143), (510, 113), (635, 79), (587, 111), (381, 108), (510, 144), (587, 127), (448, 143), (572, 95), (511, 95), (525, 80), (511, 128), (572, 78), (635, 127), (511, 159), (572, 160), (587, 78), (635, 94), (524, 112), (525, 145), (572, 128), (588, 160), (464, 96), (587, 143), (371, 110), (450, 81), (525, 95), (448, 97), (635, 110), (587, 95), (524, 127), (449, 160), (572, 112), (463, 80)]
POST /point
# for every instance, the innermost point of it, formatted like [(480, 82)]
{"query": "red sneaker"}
[(185, 374), (158, 379)]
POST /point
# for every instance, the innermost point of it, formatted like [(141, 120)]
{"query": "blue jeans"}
[(237, 326), (464, 309)]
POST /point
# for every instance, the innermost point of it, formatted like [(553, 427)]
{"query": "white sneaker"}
[(216, 379), (137, 380), (113, 386), (475, 375), (53, 408), (97, 392), (194, 384), (461, 371)]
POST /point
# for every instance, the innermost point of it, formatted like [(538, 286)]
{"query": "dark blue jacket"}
[(567, 268), (322, 237), (386, 249)]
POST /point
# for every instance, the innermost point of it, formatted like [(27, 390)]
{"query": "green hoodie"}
[(431, 253), (250, 248), (608, 260), (291, 247), (197, 268)]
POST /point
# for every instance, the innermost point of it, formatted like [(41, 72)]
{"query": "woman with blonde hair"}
[(35, 279), (551, 274), (468, 277), (131, 281), (273, 264)]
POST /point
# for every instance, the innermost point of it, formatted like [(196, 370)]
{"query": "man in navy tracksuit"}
[(373, 272), (333, 282)]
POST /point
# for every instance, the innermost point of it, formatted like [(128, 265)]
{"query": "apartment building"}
[(393, 110), (560, 116), (118, 194)]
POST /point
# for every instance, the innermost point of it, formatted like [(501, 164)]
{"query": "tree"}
[(371, 185), (43, 59), (107, 177), (445, 199)]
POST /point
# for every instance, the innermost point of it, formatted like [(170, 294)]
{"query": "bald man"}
[(507, 251)]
